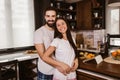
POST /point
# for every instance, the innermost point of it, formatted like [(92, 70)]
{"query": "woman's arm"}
[(75, 65), (62, 67)]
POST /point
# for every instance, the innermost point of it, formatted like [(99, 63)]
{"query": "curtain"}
[(16, 23)]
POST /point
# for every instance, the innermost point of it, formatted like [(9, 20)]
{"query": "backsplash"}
[(91, 38)]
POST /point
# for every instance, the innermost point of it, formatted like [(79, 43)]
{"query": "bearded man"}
[(42, 39)]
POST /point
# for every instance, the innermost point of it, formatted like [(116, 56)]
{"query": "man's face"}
[(50, 17)]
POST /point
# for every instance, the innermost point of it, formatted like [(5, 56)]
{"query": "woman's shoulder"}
[(55, 42), (57, 39)]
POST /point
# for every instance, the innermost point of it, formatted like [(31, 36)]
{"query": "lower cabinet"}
[(85, 76), (28, 69)]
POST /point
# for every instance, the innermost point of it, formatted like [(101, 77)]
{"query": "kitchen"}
[(83, 24)]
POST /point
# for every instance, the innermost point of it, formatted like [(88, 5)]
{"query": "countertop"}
[(105, 68), (20, 56)]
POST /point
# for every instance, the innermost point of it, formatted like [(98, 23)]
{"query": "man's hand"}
[(64, 68)]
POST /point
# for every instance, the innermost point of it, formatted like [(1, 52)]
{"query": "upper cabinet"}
[(91, 14), (67, 11), (84, 20), (82, 15), (98, 14)]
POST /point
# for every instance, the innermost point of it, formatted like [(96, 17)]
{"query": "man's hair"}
[(50, 8)]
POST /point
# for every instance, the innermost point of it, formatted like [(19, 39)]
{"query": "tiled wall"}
[(91, 37)]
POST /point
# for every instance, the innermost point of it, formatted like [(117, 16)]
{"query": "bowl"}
[(116, 54)]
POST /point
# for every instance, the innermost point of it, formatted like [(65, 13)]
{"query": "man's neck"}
[(48, 27)]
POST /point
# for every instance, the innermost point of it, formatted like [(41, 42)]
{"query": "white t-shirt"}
[(45, 36), (64, 53)]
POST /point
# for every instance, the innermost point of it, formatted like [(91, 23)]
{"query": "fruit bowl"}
[(116, 54)]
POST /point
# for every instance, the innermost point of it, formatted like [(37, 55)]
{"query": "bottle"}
[(104, 47), (71, 7), (68, 16), (106, 44), (51, 4), (58, 5)]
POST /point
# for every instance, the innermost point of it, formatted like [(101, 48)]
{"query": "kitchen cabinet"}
[(91, 14), (98, 14), (67, 11), (85, 76), (28, 69), (83, 15), (8, 70), (19, 65), (84, 19)]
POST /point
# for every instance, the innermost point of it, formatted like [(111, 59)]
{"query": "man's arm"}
[(40, 49), (62, 67)]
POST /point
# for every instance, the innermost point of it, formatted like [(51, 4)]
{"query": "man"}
[(42, 39)]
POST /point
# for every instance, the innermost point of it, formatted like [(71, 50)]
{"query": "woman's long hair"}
[(57, 34)]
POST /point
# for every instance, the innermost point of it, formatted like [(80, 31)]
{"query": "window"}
[(16, 23), (113, 19)]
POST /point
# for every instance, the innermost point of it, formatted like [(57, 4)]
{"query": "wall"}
[(39, 8), (91, 37)]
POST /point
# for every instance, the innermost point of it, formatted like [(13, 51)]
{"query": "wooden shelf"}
[(29, 74), (10, 73), (86, 17), (67, 11), (100, 10), (26, 69)]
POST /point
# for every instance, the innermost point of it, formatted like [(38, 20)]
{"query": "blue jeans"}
[(42, 76)]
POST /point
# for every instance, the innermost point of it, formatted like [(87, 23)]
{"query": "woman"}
[(65, 61)]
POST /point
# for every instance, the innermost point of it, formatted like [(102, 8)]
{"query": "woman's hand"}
[(64, 68), (75, 65)]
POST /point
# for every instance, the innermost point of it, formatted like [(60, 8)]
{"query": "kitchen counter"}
[(27, 64), (104, 68), (20, 56)]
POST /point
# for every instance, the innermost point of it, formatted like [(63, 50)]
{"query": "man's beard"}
[(51, 24)]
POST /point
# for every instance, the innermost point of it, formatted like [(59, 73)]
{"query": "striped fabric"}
[(42, 76)]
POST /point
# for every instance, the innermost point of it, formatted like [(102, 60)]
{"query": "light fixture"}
[(114, 3)]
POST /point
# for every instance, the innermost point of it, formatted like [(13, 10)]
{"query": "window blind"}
[(16, 23)]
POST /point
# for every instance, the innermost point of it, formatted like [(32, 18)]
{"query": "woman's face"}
[(61, 26)]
